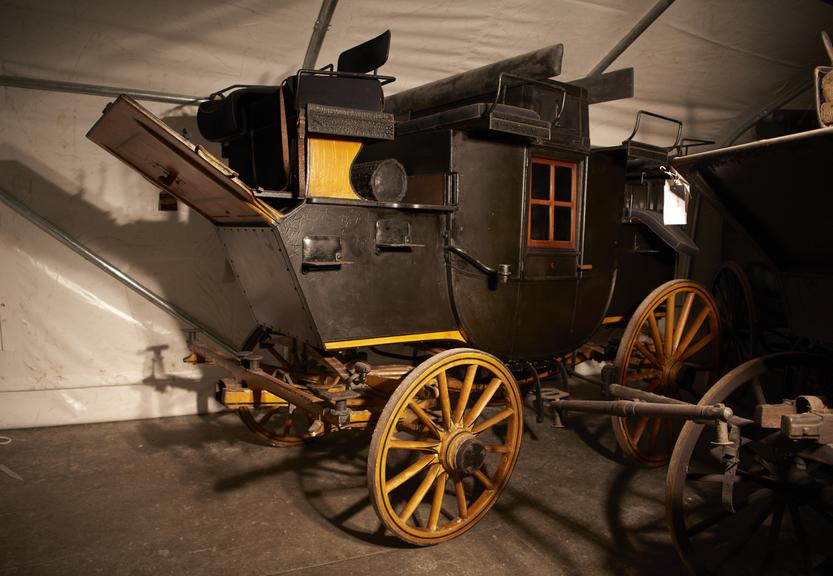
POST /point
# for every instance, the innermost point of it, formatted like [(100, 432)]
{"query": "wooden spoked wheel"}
[(781, 516), (672, 337), (282, 425), (738, 319), (442, 454), (278, 425)]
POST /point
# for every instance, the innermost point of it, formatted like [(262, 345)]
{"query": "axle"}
[(640, 408)]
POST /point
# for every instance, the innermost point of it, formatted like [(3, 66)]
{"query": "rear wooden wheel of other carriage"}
[(773, 514), (738, 318), (278, 423), (445, 446), (672, 336), (281, 426)]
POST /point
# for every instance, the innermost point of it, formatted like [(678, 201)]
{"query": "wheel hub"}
[(465, 454)]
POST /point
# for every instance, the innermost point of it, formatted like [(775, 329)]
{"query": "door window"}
[(552, 203)]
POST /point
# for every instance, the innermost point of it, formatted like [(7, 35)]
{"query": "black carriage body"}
[(468, 191), (472, 253)]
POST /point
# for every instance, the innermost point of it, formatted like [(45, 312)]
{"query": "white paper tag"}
[(675, 202)]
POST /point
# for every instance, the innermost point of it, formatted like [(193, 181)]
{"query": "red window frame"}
[(551, 202)]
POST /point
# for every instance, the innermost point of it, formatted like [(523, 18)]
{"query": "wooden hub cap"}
[(466, 454)]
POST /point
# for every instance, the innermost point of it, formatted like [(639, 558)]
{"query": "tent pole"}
[(791, 89), (96, 90), (319, 30), (629, 38), (106, 266)]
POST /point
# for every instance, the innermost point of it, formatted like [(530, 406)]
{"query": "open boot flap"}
[(189, 172)]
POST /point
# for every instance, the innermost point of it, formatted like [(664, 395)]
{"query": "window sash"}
[(551, 203)]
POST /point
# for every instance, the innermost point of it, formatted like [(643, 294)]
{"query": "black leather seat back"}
[(248, 123)]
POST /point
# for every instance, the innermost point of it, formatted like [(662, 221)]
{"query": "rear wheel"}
[(670, 347), (770, 510), (279, 425)]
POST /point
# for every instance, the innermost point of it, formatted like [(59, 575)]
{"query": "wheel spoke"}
[(643, 375), (755, 498), (499, 448), (445, 401), (803, 541), (646, 353), (652, 323), (822, 512), (639, 429), (460, 493), (425, 419), (464, 393), (707, 523), (499, 417), (420, 492), (421, 445), (437, 502), (692, 332), (485, 480), (758, 390), (410, 472), (743, 539), (484, 398), (772, 534), (696, 347), (268, 416), (670, 312), (678, 333), (654, 435)]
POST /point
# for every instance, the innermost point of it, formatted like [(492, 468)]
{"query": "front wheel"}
[(445, 446)]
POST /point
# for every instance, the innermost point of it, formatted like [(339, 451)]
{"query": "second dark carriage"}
[(481, 218)]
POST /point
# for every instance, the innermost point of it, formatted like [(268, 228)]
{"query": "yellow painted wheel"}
[(673, 335), (441, 456), (278, 425)]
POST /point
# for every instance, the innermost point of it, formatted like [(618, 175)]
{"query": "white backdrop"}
[(76, 346)]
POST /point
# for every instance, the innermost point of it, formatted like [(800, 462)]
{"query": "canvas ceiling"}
[(77, 346)]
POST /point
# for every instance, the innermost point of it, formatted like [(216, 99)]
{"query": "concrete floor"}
[(200, 495)]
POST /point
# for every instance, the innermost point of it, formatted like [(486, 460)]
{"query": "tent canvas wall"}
[(77, 346)]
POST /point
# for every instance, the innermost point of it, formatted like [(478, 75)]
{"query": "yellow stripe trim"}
[(450, 335), (612, 319)]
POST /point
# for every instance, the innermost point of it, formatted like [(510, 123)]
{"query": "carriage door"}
[(551, 226)]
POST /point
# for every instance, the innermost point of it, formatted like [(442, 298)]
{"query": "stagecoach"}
[(408, 260)]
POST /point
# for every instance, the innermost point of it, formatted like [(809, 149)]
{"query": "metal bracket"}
[(502, 274), (322, 252), (731, 461), (394, 234)]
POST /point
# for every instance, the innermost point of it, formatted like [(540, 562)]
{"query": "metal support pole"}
[(791, 89), (626, 393), (103, 264), (632, 408), (319, 30), (97, 90), (631, 36)]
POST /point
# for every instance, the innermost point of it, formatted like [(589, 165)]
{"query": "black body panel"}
[(373, 291), (605, 182), (487, 225), (260, 262), (547, 306), (645, 262)]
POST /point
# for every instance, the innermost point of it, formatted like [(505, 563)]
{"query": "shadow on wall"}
[(177, 255)]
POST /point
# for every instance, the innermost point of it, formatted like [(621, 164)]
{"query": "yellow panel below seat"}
[(329, 168)]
